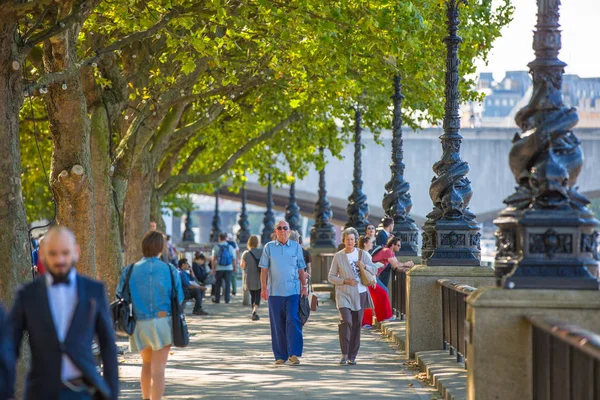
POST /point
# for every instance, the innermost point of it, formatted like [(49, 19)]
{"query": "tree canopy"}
[(245, 81)]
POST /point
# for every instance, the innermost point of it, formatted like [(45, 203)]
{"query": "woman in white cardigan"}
[(351, 296)]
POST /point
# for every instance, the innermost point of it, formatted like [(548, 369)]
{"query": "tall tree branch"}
[(48, 79), (78, 14), (173, 182)]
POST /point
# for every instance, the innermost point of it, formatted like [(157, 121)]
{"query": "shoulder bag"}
[(366, 278), (313, 299), (122, 308), (181, 336)]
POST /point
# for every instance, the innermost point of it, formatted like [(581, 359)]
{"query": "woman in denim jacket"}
[(150, 286)]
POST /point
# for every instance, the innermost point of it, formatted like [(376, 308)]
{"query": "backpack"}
[(225, 257)]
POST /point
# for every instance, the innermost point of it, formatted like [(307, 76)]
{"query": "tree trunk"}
[(15, 266), (71, 175), (156, 211), (136, 219), (14, 246), (109, 258)]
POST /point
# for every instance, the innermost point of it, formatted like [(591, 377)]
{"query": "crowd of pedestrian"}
[(62, 312)]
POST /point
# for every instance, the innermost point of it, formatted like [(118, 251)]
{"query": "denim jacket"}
[(150, 287)]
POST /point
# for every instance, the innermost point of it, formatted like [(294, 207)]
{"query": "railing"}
[(454, 313), (566, 361), (398, 289)]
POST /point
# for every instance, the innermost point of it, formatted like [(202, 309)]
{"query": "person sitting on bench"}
[(191, 288)]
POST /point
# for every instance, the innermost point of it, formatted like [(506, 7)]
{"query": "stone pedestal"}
[(499, 355), (424, 302), (321, 264)]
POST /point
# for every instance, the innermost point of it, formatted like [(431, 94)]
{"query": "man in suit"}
[(382, 239), (7, 359), (63, 312), (384, 235)]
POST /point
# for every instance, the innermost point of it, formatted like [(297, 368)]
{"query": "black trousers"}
[(255, 297), (197, 294)]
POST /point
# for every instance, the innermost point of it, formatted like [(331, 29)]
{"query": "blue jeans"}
[(223, 276), (286, 329), (384, 276), (68, 394), (383, 286)]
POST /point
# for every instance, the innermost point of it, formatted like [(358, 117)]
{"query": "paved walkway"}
[(230, 357)]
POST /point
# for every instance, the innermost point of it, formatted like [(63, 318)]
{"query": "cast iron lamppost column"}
[(396, 201), (243, 233), (269, 219), (216, 221), (357, 209), (188, 234), (451, 234), (322, 233), (292, 211), (547, 236)]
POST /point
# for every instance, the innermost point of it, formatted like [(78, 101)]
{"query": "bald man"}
[(63, 312)]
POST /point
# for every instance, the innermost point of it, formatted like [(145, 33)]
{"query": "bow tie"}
[(61, 280)]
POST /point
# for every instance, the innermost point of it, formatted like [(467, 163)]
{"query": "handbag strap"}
[(255, 258), (126, 286), (173, 293)]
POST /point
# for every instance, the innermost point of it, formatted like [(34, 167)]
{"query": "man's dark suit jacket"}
[(31, 313), (381, 238), (7, 357)]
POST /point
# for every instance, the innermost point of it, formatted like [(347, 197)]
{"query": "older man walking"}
[(283, 281)]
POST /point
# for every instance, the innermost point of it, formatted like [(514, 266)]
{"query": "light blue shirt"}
[(283, 262)]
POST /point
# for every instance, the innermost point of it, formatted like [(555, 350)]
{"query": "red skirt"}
[(381, 302)]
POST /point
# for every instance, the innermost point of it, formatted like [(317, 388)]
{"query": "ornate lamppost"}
[(451, 234), (357, 209), (547, 236), (396, 200), (243, 234), (188, 233), (322, 233), (292, 210), (269, 218), (216, 221)]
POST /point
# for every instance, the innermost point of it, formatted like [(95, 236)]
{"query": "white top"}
[(63, 300), (353, 259)]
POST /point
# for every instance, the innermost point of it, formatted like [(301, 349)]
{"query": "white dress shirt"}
[(63, 300)]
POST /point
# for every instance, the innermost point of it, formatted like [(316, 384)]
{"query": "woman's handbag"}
[(122, 309), (181, 336), (313, 300), (366, 278)]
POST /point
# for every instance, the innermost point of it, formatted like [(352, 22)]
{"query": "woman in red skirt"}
[(381, 300)]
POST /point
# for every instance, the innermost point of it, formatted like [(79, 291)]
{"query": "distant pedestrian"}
[(235, 247), (283, 281), (192, 289), (249, 264), (297, 237), (63, 312), (7, 357), (351, 296), (386, 233), (223, 261), (199, 267), (382, 239), (150, 287), (387, 256), (172, 251)]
